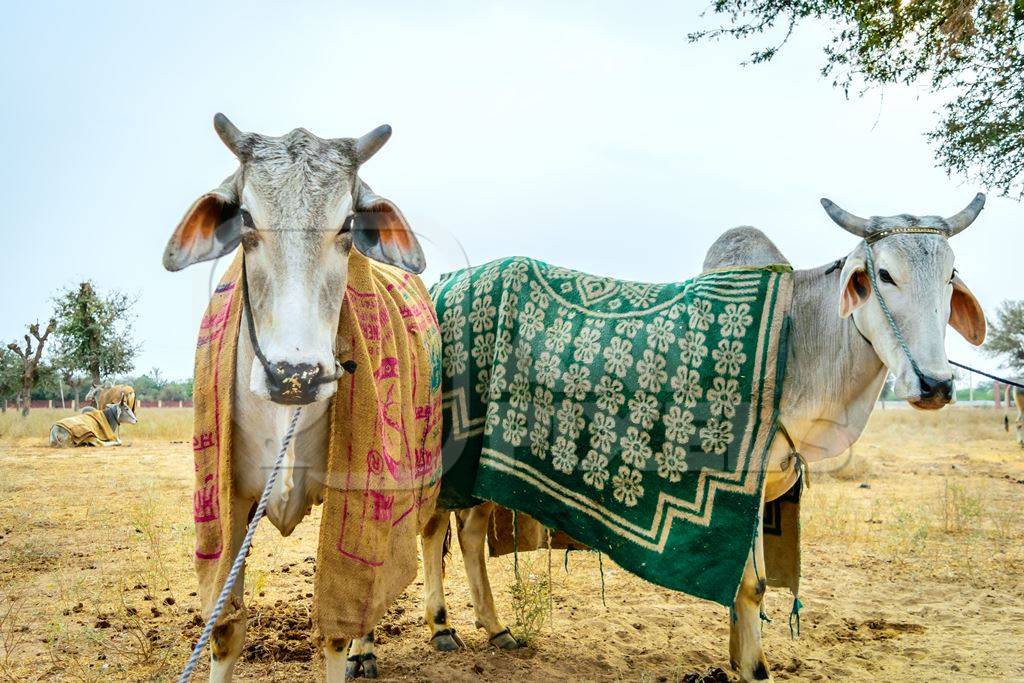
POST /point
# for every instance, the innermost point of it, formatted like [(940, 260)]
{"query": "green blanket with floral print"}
[(635, 417)]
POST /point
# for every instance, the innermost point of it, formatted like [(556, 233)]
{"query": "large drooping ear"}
[(211, 227), (381, 233), (855, 285), (965, 314)]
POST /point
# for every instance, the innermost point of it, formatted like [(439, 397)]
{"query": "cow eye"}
[(346, 226), (247, 219), (886, 277)]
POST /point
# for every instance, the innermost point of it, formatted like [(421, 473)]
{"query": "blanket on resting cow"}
[(88, 429), (383, 460), (634, 417)]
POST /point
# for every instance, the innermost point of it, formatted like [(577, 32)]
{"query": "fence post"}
[(50, 404), (159, 403), (180, 404)]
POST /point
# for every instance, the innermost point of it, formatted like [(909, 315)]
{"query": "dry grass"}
[(906, 578), (155, 424)]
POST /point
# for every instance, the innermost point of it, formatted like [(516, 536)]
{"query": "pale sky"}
[(599, 140)]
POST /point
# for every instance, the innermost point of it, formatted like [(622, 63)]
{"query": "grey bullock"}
[(115, 414), (841, 347), (296, 204)]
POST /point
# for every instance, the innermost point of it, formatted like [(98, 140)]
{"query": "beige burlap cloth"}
[(383, 457)]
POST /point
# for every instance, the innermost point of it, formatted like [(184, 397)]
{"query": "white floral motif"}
[(587, 345), (602, 432), (651, 371), (595, 469), (540, 430), (546, 367), (617, 356), (716, 436), (636, 447), (693, 348), (629, 327), (453, 324), (493, 418), (524, 357), (701, 315), (531, 320), (539, 297), (724, 396), (679, 425), (639, 295), (576, 381), (483, 349), (519, 392), (455, 357), (485, 281), (735, 319), (482, 314), (455, 294), (563, 455), (609, 394), (502, 346), (643, 409), (686, 383), (661, 334), (627, 487), (514, 426), (671, 461), (498, 383), (729, 357), (508, 309), (570, 419), (483, 382), (558, 335), (515, 275)]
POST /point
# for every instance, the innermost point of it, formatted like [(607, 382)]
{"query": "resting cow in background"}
[(94, 427), (843, 343), (297, 206)]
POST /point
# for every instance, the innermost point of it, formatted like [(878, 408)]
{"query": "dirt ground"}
[(913, 561)]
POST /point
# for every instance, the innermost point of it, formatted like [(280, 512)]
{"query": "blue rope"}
[(870, 262), (239, 563)]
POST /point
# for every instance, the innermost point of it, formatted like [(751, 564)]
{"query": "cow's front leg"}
[(472, 532), (442, 635), (335, 659), (227, 639), (362, 661), (745, 652)]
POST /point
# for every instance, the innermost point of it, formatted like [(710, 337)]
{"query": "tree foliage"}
[(1006, 335), (92, 334), (970, 51)]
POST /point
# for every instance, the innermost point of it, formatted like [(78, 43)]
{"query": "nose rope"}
[(340, 368), (870, 262)]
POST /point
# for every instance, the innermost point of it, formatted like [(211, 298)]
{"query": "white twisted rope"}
[(239, 562), (870, 262)]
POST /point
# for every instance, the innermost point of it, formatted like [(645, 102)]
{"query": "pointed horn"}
[(844, 219), (368, 145), (234, 139), (961, 221)]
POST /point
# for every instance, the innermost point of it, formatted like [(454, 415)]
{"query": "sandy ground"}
[(916, 576)]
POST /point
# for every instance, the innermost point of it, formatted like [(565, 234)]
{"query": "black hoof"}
[(503, 640), (447, 640), (364, 666), (370, 668)]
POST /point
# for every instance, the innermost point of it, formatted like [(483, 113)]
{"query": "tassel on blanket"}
[(600, 567), (795, 615)]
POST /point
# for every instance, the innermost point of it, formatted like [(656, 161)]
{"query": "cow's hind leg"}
[(227, 639), (472, 532), (335, 659), (745, 652), (362, 661), (435, 542)]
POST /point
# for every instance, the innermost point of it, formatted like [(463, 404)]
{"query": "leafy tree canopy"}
[(968, 50), (1006, 335), (92, 333)]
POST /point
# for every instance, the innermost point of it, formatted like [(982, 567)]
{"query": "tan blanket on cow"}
[(88, 429), (383, 460)]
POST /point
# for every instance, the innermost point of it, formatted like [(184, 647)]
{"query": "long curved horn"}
[(368, 145), (230, 135), (959, 222), (844, 219)]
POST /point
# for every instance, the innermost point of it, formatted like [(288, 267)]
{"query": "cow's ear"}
[(965, 314), (381, 232), (855, 285), (211, 228)]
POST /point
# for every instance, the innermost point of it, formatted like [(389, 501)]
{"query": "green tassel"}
[(794, 615), (600, 566), (566, 562)]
